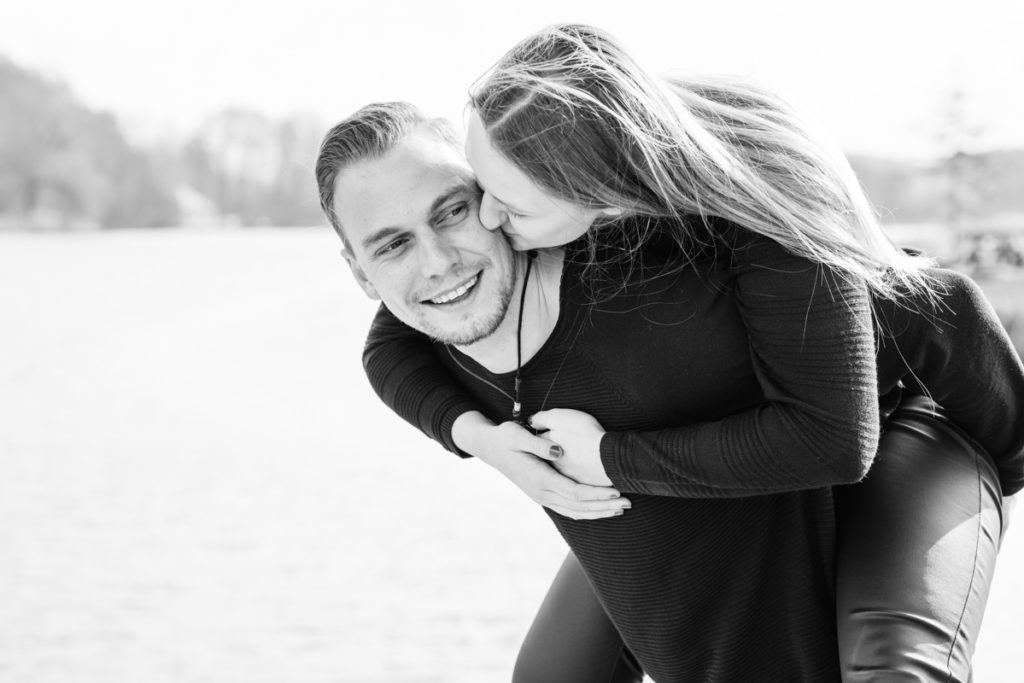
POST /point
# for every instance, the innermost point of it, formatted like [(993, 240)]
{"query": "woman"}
[(576, 140)]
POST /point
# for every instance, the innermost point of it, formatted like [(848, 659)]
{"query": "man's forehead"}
[(427, 150), (399, 188)]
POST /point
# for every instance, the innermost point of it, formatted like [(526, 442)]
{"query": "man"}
[(458, 284), (700, 588)]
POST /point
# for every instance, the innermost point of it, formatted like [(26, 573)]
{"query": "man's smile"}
[(457, 293)]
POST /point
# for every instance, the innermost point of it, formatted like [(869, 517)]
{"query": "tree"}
[(254, 168), (63, 165), (963, 168)]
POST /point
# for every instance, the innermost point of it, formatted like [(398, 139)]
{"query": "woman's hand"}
[(525, 459), (579, 435)]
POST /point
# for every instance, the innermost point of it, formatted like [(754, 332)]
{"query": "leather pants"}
[(917, 544)]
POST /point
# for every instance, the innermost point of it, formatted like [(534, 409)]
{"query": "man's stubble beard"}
[(484, 328)]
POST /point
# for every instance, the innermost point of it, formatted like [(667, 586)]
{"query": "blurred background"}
[(196, 482)]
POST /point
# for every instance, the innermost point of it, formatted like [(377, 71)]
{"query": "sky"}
[(877, 74)]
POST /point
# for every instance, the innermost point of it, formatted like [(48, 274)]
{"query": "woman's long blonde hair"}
[(572, 109)]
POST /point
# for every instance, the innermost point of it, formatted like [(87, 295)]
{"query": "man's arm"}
[(403, 370)]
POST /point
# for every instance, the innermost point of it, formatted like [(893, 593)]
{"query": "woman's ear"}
[(360, 276)]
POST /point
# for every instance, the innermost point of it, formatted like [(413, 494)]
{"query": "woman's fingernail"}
[(619, 513), (626, 506), (555, 451)]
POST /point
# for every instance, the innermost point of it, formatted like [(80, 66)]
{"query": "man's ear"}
[(359, 275)]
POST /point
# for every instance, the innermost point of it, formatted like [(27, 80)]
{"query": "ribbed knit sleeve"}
[(959, 354), (405, 372), (813, 353)]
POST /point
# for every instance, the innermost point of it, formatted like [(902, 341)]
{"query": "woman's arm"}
[(954, 350), (811, 345)]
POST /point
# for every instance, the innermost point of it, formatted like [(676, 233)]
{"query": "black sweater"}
[(749, 377)]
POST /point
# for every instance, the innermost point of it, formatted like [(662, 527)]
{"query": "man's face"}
[(411, 221)]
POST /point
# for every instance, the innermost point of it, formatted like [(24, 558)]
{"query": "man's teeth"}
[(455, 293)]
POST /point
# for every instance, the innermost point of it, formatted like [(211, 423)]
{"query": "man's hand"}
[(526, 460), (579, 435)]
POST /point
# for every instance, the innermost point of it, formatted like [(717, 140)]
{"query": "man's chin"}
[(467, 333), (468, 321)]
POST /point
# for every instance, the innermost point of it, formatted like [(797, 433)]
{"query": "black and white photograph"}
[(542, 342)]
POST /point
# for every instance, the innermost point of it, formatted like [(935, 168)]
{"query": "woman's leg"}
[(571, 639), (917, 547)]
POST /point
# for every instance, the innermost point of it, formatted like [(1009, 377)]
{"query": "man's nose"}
[(438, 255), (492, 213)]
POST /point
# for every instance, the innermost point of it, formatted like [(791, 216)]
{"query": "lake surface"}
[(197, 484)]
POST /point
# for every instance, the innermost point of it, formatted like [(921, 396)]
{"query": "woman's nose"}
[(492, 214)]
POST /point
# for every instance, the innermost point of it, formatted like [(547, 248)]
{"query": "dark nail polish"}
[(555, 451)]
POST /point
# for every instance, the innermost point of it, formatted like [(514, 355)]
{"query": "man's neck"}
[(541, 305)]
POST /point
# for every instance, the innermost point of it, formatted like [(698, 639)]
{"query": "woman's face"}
[(531, 217)]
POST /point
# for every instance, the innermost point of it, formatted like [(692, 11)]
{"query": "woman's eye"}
[(513, 214)]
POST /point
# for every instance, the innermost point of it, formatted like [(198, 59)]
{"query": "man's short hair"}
[(369, 133)]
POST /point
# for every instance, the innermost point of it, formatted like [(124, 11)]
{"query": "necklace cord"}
[(517, 406)]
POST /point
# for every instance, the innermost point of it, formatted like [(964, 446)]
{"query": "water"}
[(197, 485)]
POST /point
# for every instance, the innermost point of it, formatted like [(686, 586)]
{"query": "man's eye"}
[(391, 246), (454, 213)]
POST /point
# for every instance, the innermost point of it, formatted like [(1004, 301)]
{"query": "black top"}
[(749, 376)]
